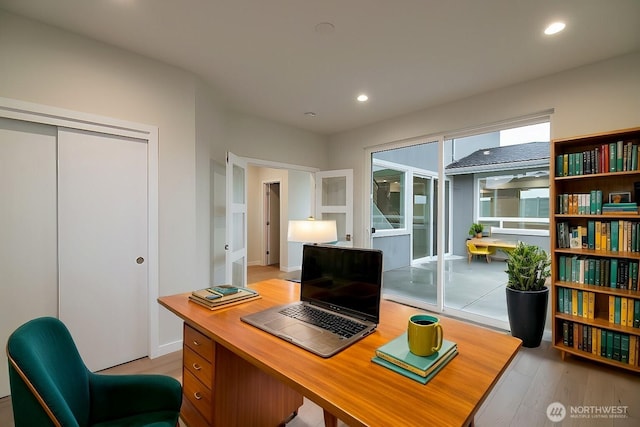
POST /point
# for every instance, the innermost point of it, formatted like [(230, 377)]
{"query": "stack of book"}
[(620, 207), (395, 355), (213, 299)]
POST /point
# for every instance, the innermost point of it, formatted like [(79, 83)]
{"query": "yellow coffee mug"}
[(424, 334)]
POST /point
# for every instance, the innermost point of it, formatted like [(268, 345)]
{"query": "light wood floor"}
[(536, 378)]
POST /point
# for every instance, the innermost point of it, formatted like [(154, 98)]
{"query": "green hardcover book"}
[(603, 343), (598, 202), (592, 202), (596, 272), (619, 156), (636, 313), (409, 374), (579, 163), (591, 234), (609, 350), (572, 164), (617, 303), (624, 348), (614, 236), (561, 268), (612, 157), (561, 300), (634, 157), (613, 272), (397, 352), (580, 302), (559, 165), (633, 275), (615, 354)]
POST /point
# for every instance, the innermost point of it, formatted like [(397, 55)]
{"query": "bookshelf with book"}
[(595, 240)]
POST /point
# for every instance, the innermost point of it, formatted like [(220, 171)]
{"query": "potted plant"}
[(476, 230), (528, 268)]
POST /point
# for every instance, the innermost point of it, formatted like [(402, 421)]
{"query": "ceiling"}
[(270, 58)]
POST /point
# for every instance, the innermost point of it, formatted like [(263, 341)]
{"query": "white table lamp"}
[(312, 231)]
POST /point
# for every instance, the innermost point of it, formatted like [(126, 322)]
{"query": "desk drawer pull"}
[(196, 366), (195, 342), (197, 395)]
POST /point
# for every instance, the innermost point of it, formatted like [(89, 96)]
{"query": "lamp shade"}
[(312, 231)]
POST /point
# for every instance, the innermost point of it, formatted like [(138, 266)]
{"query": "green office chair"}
[(51, 386)]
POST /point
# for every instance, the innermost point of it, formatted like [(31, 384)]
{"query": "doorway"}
[(271, 223)]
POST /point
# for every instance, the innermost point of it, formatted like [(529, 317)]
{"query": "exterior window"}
[(388, 199), (515, 201)]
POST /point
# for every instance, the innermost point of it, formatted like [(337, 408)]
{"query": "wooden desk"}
[(348, 386)]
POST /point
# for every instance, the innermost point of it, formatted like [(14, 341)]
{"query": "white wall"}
[(45, 65), (302, 191), (595, 98), (253, 137)]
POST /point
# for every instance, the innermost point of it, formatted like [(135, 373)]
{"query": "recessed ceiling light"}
[(554, 28), (362, 98)]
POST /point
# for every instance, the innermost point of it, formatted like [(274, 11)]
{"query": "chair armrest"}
[(117, 396)]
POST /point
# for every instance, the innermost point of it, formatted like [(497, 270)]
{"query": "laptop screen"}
[(347, 280)]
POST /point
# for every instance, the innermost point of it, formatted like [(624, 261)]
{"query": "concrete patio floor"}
[(477, 287)]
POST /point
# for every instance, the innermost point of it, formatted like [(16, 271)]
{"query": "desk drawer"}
[(190, 415), (198, 342), (197, 394), (200, 367)]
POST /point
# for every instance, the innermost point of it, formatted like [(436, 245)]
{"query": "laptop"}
[(338, 286)]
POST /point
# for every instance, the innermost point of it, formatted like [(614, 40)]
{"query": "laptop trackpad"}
[(300, 332)]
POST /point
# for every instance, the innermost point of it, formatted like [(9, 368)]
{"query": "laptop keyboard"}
[(337, 324)]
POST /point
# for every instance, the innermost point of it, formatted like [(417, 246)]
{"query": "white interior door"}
[(28, 251), (236, 219), (102, 223), (334, 200)]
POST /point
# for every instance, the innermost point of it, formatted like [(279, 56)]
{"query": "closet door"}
[(28, 253), (102, 209)]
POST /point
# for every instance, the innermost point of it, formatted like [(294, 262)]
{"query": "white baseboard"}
[(166, 349)]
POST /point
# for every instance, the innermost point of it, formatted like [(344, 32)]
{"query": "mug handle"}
[(439, 336)]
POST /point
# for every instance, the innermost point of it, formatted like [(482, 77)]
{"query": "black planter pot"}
[(527, 312)]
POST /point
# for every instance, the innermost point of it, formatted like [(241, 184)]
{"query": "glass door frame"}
[(408, 170)]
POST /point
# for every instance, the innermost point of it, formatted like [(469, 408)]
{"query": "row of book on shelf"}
[(615, 236), (591, 204), (601, 342), (608, 272), (611, 157), (396, 356), (222, 296), (622, 311)]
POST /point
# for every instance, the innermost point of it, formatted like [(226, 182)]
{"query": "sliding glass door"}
[(424, 197)]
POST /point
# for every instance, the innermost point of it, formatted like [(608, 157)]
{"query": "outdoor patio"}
[(476, 287)]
